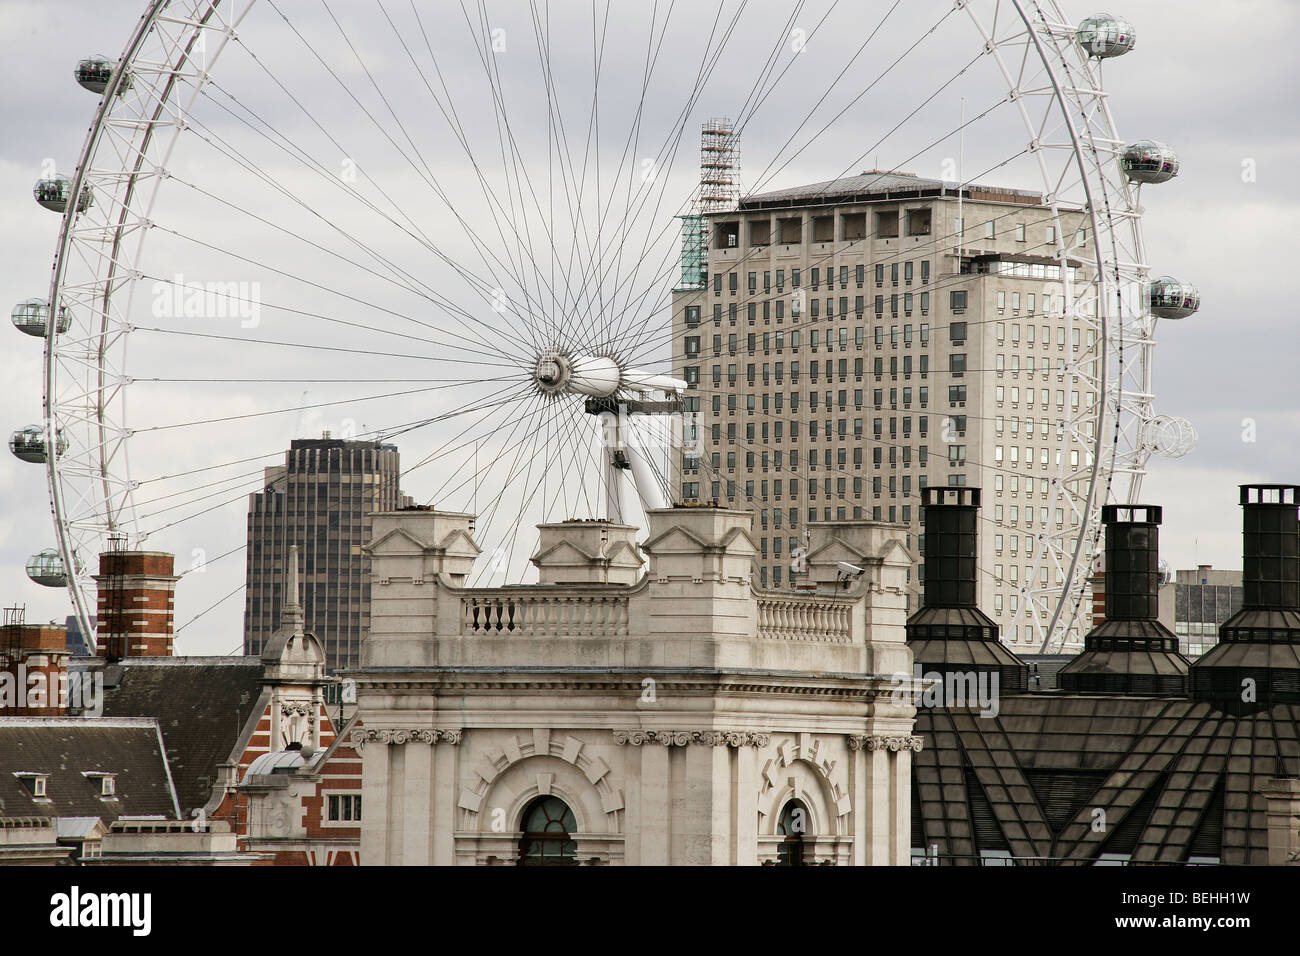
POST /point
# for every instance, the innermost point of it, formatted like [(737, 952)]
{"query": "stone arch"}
[(802, 781), (804, 769), (506, 779), (522, 782)]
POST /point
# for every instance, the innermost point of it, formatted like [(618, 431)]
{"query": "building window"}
[(792, 825), (547, 826), (957, 300), (344, 808)]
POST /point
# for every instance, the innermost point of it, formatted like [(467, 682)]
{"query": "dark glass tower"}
[(321, 500)]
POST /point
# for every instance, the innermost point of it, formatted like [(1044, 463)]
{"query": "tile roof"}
[(1174, 777), (65, 749), (202, 705)]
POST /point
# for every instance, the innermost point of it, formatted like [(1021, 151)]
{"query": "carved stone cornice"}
[(681, 738), (881, 742), (403, 736)]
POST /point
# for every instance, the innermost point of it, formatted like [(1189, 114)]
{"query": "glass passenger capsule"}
[(31, 316), (28, 444), (1172, 299), (1147, 161), (95, 72), (46, 568), (53, 192), (1102, 35)]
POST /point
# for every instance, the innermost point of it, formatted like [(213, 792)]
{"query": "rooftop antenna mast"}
[(718, 191), (961, 179)]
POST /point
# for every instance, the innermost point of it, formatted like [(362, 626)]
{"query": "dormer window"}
[(35, 781), (106, 782)]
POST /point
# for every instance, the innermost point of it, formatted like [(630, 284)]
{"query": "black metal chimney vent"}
[(1130, 652), (949, 633), (1257, 660)]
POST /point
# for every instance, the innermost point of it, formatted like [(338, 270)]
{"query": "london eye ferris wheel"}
[(455, 227)]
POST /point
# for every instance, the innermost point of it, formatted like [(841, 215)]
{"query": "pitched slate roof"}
[(65, 749), (1175, 778), (202, 705)]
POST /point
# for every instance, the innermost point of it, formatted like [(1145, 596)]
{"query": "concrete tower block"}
[(701, 569), (587, 552), (412, 551)]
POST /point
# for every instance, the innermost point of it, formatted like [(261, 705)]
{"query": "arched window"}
[(793, 825), (547, 825)]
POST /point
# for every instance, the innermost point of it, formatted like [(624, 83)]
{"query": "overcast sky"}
[(1215, 81)]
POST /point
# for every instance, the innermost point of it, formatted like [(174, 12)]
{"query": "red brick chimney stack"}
[(35, 657), (137, 597)]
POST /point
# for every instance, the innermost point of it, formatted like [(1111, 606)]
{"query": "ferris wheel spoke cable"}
[(667, 267), (514, 187), (427, 173), (520, 421), (672, 139), (708, 64), (510, 529), (553, 113), (412, 229), (450, 309), (241, 497), (366, 269), (770, 63), (631, 144), (666, 263), (637, 350), (321, 348), (771, 59), (453, 121), (495, 353), (518, 275), (245, 476), (594, 258)]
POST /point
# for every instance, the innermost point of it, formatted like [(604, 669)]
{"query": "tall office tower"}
[(856, 340), (321, 500)]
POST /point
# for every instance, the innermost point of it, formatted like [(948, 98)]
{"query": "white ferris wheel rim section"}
[(1042, 21)]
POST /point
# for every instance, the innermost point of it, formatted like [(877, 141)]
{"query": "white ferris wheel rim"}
[(1044, 24)]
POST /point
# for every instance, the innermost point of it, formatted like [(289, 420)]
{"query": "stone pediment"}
[(679, 540), (624, 555), (837, 550), (401, 542), (895, 553)]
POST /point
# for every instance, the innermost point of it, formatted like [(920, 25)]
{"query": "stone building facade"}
[(639, 705)]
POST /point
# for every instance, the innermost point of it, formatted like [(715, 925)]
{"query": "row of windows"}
[(956, 424), (799, 304), (859, 274), (956, 398), (852, 226), (957, 365), (1043, 395), (778, 340)]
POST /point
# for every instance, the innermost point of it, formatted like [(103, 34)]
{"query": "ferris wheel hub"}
[(558, 371)]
